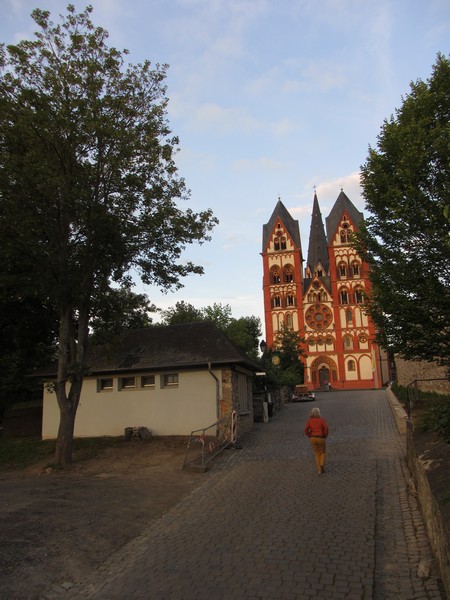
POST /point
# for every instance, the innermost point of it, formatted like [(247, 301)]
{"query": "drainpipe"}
[(217, 391)]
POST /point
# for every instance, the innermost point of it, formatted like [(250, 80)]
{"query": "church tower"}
[(326, 305), (282, 277)]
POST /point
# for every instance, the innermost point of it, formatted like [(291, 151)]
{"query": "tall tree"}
[(243, 332), (405, 240), (88, 183)]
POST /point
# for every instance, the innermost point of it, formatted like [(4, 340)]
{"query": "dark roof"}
[(281, 213), (317, 249), (342, 204), (166, 347)]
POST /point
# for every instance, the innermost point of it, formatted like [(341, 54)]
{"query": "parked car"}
[(302, 394)]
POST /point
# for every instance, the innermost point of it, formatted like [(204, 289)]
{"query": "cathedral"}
[(322, 298)]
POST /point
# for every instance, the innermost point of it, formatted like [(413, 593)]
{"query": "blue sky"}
[(269, 98)]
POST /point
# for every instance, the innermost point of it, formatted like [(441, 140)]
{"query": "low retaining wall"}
[(429, 508), (436, 528)]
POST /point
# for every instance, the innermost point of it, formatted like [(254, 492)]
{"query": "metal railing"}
[(413, 392), (204, 444)]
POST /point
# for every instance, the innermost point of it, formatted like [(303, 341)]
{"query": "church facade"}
[(322, 298)]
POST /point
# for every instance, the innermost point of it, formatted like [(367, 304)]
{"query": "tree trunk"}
[(71, 355), (64, 442)]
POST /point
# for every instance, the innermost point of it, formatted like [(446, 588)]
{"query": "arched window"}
[(342, 268), (290, 300), (349, 316), (359, 295), (348, 342), (351, 365), (276, 302), (283, 243), (323, 297), (289, 321), (288, 275), (355, 268), (343, 296), (276, 243), (276, 275)]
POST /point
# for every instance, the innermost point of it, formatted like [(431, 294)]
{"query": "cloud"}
[(222, 120)]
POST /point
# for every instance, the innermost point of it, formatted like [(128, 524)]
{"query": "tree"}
[(119, 309), (88, 184), (282, 362), (243, 332), (28, 342), (182, 312), (406, 186)]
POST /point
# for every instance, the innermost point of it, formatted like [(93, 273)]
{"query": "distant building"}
[(323, 300)]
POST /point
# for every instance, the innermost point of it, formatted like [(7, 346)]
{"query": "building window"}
[(276, 243), (291, 300), (283, 243), (348, 342), (105, 385), (127, 383), (342, 270), (289, 321), (355, 267), (351, 365), (276, 276), (170, 380), (349, 316), (148, 381), (343, 295), (276, 301), (288, 275), (359, 296)]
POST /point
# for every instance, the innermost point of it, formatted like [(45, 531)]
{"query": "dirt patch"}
[(58, 526)]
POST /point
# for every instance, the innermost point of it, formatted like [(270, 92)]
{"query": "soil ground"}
[(56, 526)]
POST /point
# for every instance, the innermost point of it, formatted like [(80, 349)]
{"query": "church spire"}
[(317, 249)]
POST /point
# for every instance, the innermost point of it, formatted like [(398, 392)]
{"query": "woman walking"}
[(316, 429)]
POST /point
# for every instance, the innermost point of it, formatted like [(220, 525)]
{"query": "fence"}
[(205, 444), (413, 393)]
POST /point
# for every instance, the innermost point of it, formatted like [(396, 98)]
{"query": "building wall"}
[(191, 405)]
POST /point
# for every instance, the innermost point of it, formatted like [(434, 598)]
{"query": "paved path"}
[(265, 525)]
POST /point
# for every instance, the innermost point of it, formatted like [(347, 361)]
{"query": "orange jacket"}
[(316, 427)]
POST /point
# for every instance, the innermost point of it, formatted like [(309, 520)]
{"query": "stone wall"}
[(429, 507), (230, 400), (410, 370)]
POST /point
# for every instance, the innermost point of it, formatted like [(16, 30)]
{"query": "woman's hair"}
[(315, 412)]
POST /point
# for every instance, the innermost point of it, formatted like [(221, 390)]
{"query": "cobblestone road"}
[(265, 525)]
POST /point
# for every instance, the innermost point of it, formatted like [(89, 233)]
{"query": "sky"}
[(271, 99)]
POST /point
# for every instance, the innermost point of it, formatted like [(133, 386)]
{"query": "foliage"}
[(120, 309), (88, 184), (182, 312), (282, 362), (243, 332), (406, 185), (431, 411), (28, 342)]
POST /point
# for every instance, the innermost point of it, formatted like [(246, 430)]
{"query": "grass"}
[(23, 452)]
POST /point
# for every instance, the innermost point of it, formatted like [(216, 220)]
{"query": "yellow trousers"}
[(319, 447)]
